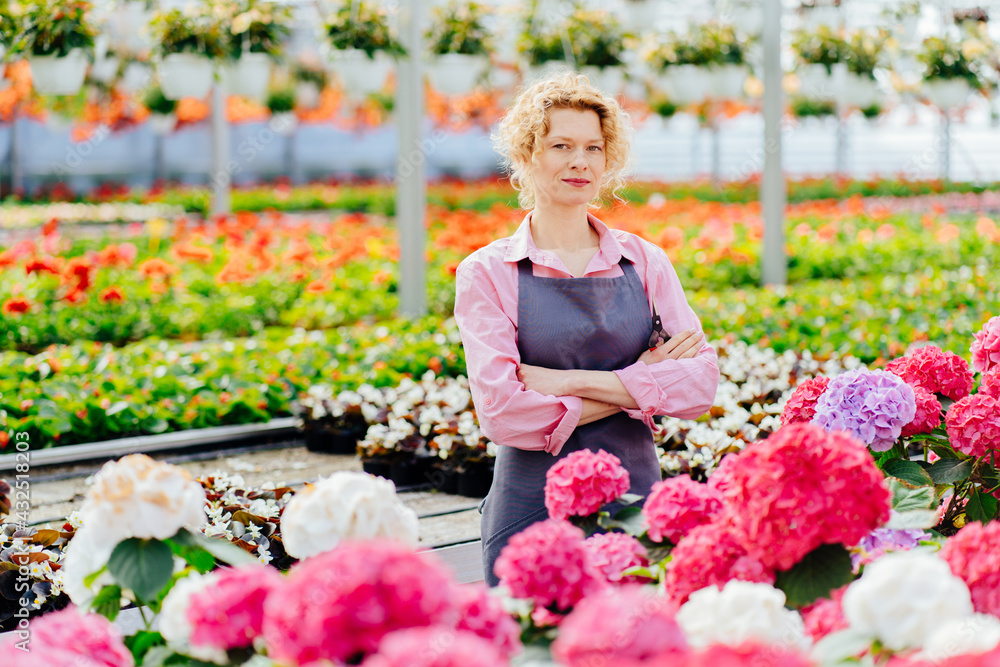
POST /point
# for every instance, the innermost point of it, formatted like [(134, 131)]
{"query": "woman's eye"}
[(597, 147)]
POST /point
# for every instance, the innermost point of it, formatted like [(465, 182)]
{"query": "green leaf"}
[(949, 471), (116, 408), (145, 566), (628, 520), (108, 602), (630, 498), (222, 549), (905, 498), (823, 569), (982, 507), (843, 646), (908, 471), (91, 578), (192, 553), (141, 642)]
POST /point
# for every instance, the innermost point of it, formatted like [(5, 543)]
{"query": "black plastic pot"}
[(475, 480), (443, 477), (378, 467), (331, 441), (410, 471)]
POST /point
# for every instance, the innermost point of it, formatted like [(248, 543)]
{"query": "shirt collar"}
[(522, 245)]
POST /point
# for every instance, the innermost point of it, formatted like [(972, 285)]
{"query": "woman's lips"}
[(578, 182)]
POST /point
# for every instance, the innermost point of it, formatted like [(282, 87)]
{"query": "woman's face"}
[(571, 160)]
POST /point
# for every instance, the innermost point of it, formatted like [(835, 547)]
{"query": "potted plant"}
[(725, 53), (310, 81), (281, 104), (57, 39), (905, 18), (162, 116), (330, 424), (363, 47), (864, 51), (459, 46), (258, 31), (597, 45), (822, 62), (680, 62), (811, 107), (188, 43), (951, 69), (820, 13)]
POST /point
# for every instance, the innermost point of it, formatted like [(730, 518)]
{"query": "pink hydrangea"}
[(750, 654), (825, 616), (435, 646), (483, 614), (613, 553), (339, 604), (974, 424), (935, 370), (928, 416), (973, 554), (985, 659), (68, 638), (986, 348), (619, 626), (803, 487), (801, 405), (676, 505), (990, 382), (722, 477), (229, 612), (549, 563), (711, 555), (582, 482)]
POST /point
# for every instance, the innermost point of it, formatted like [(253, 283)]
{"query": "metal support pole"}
[(773, 194), (411, 177), (716, 152), (291, 168), (16, 170), (221, 178), (159, 159), (946, 145), (841, 166)]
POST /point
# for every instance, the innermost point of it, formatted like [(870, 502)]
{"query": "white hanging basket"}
[(687, 84), (162, 124), (249, 76), (818, 84), (284, 123), (728, 81), (358, 74), (54, 75), (859, 91), (307, 94), (456, 73), (748, 19), (135, 77), (609, 80), (947, 93), (641, 15), (185, 75), (105, 69), (815, 17)]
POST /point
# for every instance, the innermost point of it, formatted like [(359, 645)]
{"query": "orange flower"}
[(50, 227), (16, 306), (75, 296), (157, 267), (78, 274), (186, 251), (4, 439), (113, 293), (316, 287), (158, 287), (237, 270), (118, 256), (44, 264), (299, 252)]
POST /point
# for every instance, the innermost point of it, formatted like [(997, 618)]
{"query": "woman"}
[(558, 320)]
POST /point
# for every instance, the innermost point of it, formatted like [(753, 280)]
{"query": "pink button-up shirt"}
[(486, 312)]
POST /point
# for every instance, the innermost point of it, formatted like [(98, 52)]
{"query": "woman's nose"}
[(578, 160)]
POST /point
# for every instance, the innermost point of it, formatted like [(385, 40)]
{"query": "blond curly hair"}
[(518, 137)]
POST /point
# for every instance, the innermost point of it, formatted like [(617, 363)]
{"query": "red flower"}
[(43, 264), (112, 294), (157, 267), (16, 306), (78, 274)]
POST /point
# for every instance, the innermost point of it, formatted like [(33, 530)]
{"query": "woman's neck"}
[(562, 228)]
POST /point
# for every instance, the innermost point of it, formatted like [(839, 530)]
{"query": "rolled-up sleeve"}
[(508, 413), (683, 388)]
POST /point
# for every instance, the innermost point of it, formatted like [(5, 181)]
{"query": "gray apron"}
[(601, 324)]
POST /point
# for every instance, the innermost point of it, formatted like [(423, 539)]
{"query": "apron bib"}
[(584, 323)]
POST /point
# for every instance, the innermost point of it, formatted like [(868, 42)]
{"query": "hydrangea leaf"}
[(825, 568), (910, 472), (981, 507), (905, 498), (145, 566), (949, 471)]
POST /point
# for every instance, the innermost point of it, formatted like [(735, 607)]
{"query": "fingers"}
[(684, 345)]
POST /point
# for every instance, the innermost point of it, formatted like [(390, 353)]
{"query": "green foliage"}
[(824, 569), (708, 44), (594, 38), (145, 566), (458, 28), (806, 107), (155, 101), (281, 100), (48, 27), (367, 31), (197, 31), (824, 46), (944, 58), (865, 51), (258, 27)]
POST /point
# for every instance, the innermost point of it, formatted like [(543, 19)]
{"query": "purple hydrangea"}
[(883, 540), (874, 406)]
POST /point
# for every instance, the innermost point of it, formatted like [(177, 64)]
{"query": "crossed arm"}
[(602, 392)]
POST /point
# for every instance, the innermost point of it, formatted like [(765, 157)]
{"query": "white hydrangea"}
[(175, 627), (962, 636), (85, 554), (740, 612), (346, 505), (903, 597), (137, 496)]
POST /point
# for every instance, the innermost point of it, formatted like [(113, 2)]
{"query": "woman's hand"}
[(684, 345), (548, 381)]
